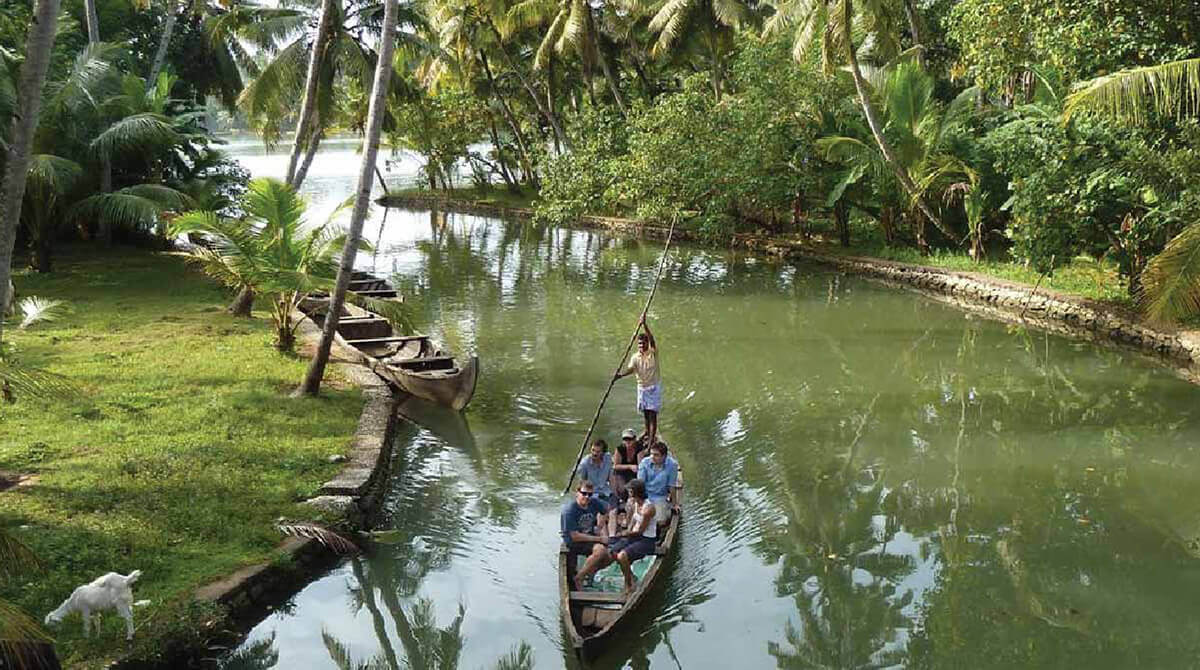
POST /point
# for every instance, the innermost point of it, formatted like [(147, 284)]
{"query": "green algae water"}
[(873, 478)]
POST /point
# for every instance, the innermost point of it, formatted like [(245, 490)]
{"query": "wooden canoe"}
[(413, 363), (590, 617)]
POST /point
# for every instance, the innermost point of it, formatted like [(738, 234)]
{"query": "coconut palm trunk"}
[(308, 104), (38, 45), (160, 56), (104, 230), (864, 99), (383, 76)]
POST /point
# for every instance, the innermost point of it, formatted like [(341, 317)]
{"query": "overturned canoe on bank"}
[(413, 363), (591, 616)]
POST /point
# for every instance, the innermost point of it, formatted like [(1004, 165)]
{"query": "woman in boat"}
[(649, 381), (641, 538)]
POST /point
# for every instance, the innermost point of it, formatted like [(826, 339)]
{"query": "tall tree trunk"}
[(310, 152), (160, 56), (513, 123), (243, 304), (914, 27), (550, 100), (500, 162), (104, 231), (537, 101), (375, 113), (613, 85), (308, 104), (38, 45), (864, 99)]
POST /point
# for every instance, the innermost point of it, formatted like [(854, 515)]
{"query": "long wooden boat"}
[(412, 363), (592, 616)]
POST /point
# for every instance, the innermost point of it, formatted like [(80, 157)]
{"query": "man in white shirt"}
[(649, 390)]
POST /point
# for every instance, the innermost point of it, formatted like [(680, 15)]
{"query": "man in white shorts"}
[(649, 381)]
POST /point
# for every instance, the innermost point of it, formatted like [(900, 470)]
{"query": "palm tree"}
[(706, 26), (366, 178), (38, 45), (1170, 284), (270, 251), (1171, 89), (343, 47), (920, 131), (831, 25), (570, 27)]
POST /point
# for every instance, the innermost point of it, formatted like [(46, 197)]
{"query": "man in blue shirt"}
[(578, 524), (660, 472), (597, 468)]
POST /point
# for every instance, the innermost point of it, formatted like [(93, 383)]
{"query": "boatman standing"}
[(649, 381)]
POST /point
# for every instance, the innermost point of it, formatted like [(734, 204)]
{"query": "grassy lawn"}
[(178, 456)]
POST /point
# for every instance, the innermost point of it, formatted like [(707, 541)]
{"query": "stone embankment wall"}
[(996, 298)]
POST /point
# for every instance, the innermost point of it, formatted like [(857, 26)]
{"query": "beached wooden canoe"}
[(413, 363), (590, 617)]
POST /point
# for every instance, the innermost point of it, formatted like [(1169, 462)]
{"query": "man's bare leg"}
[(651, 427), (627, 570), (598, 559)]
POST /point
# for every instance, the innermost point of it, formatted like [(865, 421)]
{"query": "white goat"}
[(112, 591)]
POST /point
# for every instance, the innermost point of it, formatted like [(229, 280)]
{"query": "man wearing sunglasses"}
[(578, 522)]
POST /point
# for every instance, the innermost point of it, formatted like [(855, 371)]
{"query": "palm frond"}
[(1171, 89), (16, 627), (16, 558), (134, 206), (19, 380), (730, 13), (34, 309), (50, 174), (530, 14), (1170, 286), (335, 542), (574, 31), (136, 133)]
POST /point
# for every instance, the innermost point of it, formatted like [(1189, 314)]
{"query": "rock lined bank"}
[(1008, 301)]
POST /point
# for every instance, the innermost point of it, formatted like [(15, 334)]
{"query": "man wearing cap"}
[(626, 458)]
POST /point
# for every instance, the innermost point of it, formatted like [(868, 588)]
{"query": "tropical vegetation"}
[(1054, 135)]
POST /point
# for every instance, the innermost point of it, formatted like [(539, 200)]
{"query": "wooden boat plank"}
[(598, 597), (412, 362), (371, 341), (379, 293)]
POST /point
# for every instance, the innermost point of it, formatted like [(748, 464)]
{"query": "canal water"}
[(873, 479)]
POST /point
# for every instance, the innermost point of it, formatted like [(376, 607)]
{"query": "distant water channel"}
[(873, 479)]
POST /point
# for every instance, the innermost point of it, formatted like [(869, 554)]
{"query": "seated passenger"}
[(625, 461), (597, 468), (578, 523), (660, 472), (640, 539)]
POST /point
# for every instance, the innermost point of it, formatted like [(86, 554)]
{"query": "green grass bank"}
[(179, 454)]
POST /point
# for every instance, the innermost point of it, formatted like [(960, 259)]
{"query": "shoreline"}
[(999, 299)]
